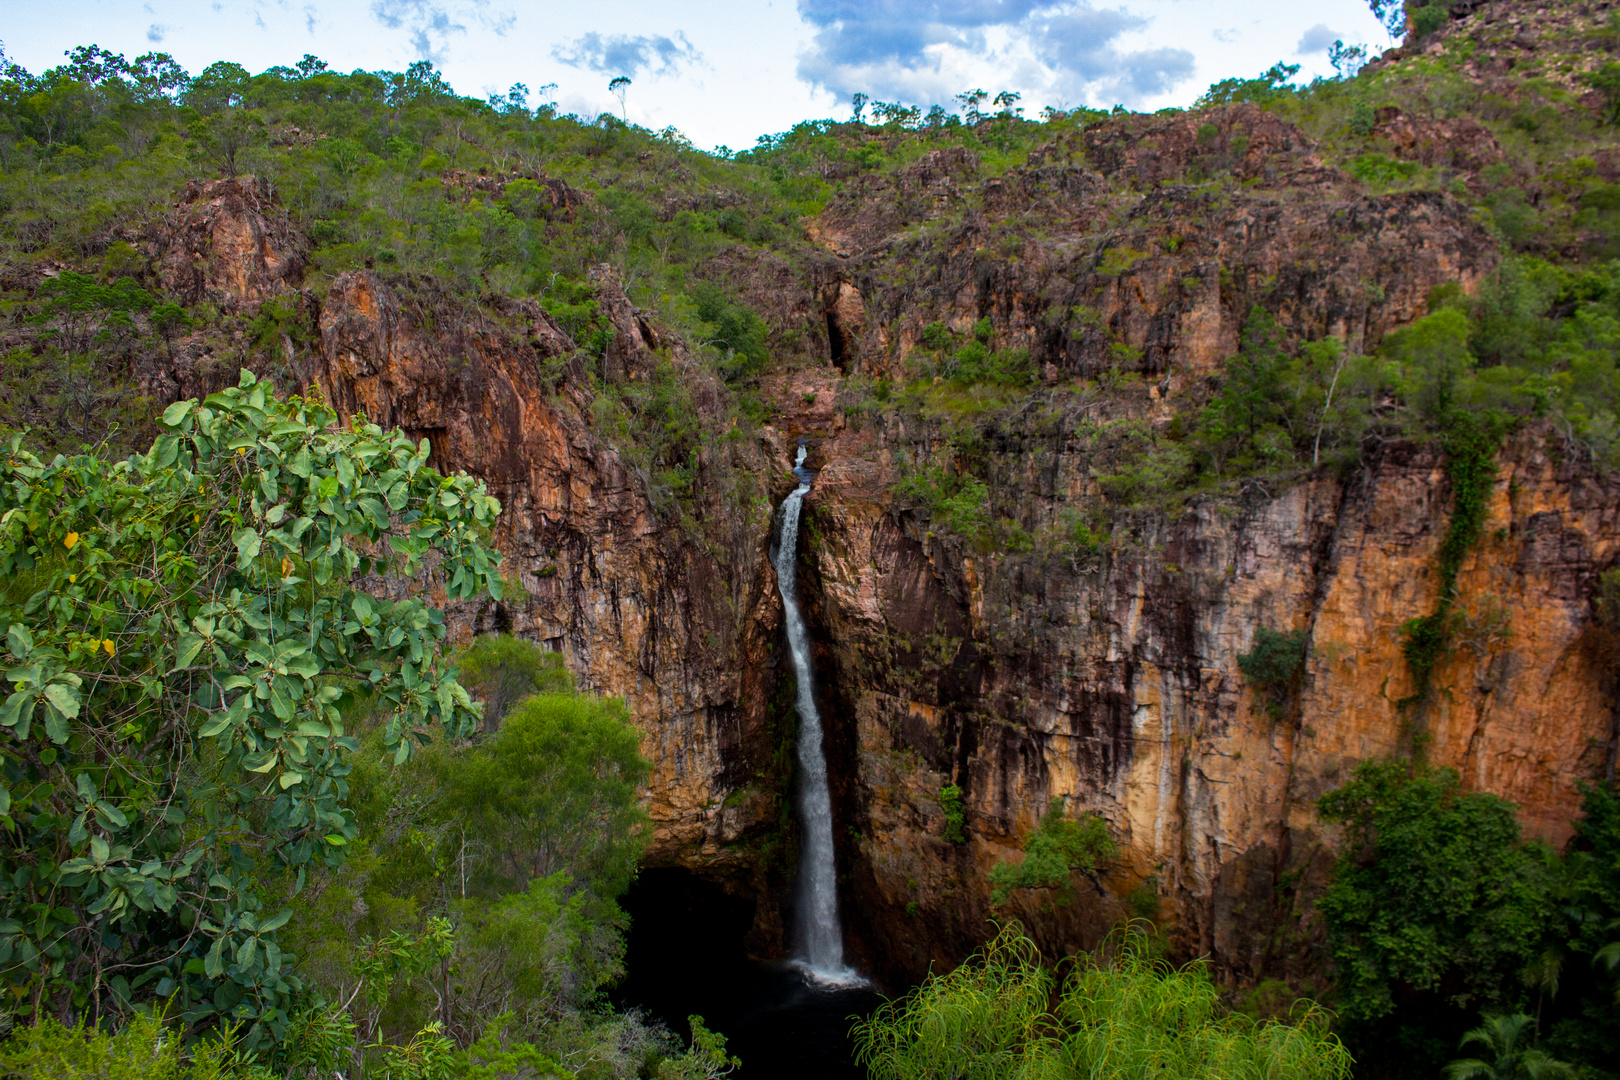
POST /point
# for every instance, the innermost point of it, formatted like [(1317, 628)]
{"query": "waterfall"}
[(821, 937)]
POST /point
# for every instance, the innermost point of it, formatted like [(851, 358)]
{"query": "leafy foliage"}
[(1503, 1037), (482, 889), (950, 800), (737, 329), (1275, 665), (1059, 848), (501, 670), (1435, 907), (142, 1049), (182, 627), (1121, 1013)]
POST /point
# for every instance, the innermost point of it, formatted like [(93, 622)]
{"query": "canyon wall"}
[(1115, 685), (1106, 677)]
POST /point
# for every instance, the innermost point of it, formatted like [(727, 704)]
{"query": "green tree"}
[(501, 670), (182, 626), (1504, 1038), (1275, 666), (556, 789), (224, 136), (1606, 81), (1058, 849), (1254, 398), (1433, 352), (1436, 907)]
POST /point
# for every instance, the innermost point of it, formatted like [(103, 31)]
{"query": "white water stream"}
[(821, 936)]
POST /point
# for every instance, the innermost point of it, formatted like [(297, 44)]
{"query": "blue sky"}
[(725, 71)]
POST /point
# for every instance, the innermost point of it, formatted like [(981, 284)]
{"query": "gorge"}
[(915, 484)]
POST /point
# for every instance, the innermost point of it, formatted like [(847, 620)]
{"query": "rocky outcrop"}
[(227, 243), (1105, 255), (594, 569)]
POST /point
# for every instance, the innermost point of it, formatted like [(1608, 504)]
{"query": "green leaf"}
[(213, 964), (190, 646), (56, 727), (276, 921), (13, 710), (261, 762), (64, 698), (215, 724), (110, 813), (164, 452), (178, 412), (247, 543), (20, 641)]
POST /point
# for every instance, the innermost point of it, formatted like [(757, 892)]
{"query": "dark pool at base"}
[(685, 955)]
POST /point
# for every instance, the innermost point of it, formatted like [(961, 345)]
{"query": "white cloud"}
[(621, 54), (1318, 39)]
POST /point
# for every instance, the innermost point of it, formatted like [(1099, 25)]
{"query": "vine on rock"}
[(1470, 443)]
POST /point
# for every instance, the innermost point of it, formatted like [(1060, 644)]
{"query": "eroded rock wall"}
[(1112, 682), (678, 620), (1107, 677)]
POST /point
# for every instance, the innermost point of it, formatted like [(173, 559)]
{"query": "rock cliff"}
[(1106, 675)]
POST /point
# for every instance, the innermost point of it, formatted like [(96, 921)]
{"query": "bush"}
[(142, 1049), (974, 364), (1122, 1013), (950, 801), (734, 328), (1058, 849), (173, 733), (935, 336), (501, 670), (1274, 666), (1436, 907), (1429, 18)]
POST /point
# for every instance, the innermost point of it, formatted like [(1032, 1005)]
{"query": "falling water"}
[(821, 939)]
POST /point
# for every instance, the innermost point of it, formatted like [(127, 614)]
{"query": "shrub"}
[(950, 801), (1436, 906), (734, 327), (1429, 18), (1274, 666), (936, 336), (176, 696), (1058, 849), (1004, 367), (1121, 1013), (501, 670), (143, 1049)]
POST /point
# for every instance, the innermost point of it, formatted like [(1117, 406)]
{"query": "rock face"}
[(599, 572), (1114, 685), (227, 243), (1102, 675)]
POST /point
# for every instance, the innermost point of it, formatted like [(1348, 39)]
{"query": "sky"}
[(724, 72)]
